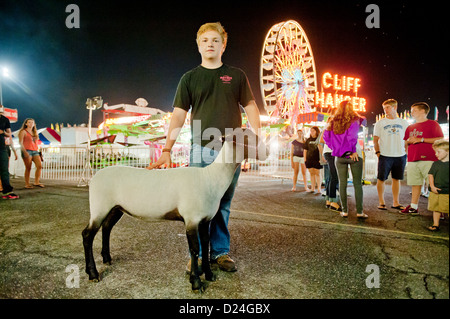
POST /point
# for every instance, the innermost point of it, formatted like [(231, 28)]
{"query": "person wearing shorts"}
[(28, 139), (419, 139), (390, 149), (439, 183), (297, 160)]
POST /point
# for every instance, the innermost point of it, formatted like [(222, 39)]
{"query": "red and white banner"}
[(11, 114)]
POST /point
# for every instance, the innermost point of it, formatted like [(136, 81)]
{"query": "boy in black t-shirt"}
[(215, 96), (438, 201), (214, 92)]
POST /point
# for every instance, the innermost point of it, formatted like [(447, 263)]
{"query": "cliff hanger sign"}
[(347, 85)]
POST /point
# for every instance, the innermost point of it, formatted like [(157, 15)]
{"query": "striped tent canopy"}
[(49, 136)]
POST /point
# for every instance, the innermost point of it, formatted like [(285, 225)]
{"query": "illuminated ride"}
[(287, 73)]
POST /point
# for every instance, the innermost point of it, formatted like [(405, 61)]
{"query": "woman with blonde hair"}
[(341, 136), (28, 139)]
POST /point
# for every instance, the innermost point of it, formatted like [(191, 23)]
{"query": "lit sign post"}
[(345, 84)]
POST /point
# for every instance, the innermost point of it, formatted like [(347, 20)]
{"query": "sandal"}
[(382, 207), (29, 186), (362, 215), (344, 214), (399, 207), (39, 185), (433, 228), (335, 209)]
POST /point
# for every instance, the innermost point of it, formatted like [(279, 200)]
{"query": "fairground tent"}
[(47, 136)]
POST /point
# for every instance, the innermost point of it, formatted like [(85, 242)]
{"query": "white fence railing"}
[(74, 164)]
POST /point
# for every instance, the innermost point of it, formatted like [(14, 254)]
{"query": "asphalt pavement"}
[(286, 245)]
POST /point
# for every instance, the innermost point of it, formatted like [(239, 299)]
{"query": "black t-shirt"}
[(214, 97), (440, 172), (4, 125), (298, 148), (313, 151)]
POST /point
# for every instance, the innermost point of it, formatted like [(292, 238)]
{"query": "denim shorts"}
[(393, 165), (31, 153)]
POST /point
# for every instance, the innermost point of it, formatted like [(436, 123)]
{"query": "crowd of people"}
[(29, 149), (396, 143)]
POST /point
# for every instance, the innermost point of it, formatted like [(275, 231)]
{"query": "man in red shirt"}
[(419, 139)]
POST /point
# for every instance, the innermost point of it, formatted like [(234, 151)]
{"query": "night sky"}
[(124, 50)]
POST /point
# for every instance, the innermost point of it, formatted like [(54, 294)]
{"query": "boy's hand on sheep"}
[(164, 161)]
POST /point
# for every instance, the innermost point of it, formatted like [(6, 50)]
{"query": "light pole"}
[(91, 104)]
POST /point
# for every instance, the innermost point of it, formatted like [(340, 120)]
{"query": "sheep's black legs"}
[(203, 230), (113, 217), (194, 248), (88, 239), (193, 234)]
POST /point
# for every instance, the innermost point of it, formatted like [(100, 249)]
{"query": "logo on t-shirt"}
[(394, 129), (226, 79), (415, 133)]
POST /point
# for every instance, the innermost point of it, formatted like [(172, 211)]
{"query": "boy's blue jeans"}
[(219, 234)]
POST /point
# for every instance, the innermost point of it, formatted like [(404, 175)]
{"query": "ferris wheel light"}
[(268, 66), (287, 72), (270, 49)]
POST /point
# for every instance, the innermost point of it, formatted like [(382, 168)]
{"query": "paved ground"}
[(286, 245)]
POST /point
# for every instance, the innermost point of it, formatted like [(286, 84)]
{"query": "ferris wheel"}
[(287, 73)]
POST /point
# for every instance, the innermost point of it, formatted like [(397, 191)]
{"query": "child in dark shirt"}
[(439, 183)]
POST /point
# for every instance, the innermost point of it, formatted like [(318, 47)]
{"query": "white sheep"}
[(190, 194)]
